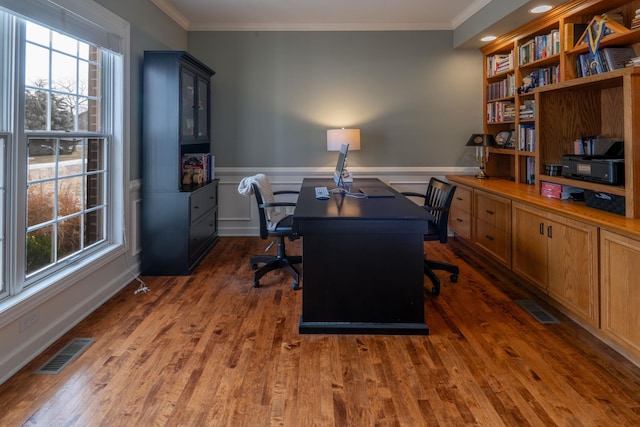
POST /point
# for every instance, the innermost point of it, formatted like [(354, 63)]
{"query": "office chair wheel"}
[(295, 286), (453, 278), (435, 290)]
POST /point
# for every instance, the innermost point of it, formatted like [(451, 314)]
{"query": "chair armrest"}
[(275, 205)]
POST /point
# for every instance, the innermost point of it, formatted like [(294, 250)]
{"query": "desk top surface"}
[(340, 206)]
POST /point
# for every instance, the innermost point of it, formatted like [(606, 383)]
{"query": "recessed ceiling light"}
[(488, 38), (540, 9)]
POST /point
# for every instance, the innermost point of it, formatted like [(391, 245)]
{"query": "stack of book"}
[(197, 168), (636, 20), (501, 111), (499, 63), (528, 109), (557, 191)]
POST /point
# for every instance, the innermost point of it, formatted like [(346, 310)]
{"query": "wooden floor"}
[(210, 350)]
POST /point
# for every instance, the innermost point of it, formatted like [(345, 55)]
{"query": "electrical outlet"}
[(28, 320)]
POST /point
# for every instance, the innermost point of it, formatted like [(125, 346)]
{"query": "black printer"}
[(606, 168)]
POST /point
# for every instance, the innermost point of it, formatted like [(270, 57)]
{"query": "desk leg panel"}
[(372, 281)]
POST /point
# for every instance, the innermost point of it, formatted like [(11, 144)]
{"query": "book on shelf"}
[(197, 168), (608, 59), (531, 170), (499, 63), (526, 137), (594, 145), (572, 33)]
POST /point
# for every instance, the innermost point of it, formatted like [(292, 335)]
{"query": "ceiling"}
[(347, 15)]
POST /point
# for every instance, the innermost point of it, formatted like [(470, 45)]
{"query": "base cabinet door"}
[(573, 266), (560, 256), (529, 244), (620, 290)]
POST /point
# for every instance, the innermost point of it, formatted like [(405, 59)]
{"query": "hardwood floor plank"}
[(211, 350)]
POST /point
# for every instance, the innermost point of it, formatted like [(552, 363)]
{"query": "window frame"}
[(116, 126)]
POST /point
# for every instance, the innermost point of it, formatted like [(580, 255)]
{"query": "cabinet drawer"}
[(460, 222), (202, 234), (202, 201), (494, 240), (493, 210), (462, 198)]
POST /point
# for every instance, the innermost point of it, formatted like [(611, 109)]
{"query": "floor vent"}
[(536, 311), (65, 356)]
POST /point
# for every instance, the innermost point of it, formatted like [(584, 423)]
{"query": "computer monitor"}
[(342, 156)]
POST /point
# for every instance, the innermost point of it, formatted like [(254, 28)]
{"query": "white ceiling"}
[(257, 15), (491, 16)]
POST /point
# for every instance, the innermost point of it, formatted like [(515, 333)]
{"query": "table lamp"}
[(337, 137), (482, 142)]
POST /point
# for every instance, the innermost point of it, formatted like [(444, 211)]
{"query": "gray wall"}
[(414, 97), (150, 29)]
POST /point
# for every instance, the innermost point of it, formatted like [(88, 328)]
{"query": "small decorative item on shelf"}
[(529, 82), (504, 139), (482, 142)]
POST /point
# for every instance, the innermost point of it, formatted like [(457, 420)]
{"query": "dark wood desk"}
[(362, 262)]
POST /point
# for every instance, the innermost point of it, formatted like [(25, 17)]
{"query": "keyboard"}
[(322, 193)]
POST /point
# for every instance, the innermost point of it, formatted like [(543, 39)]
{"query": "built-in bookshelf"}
[(533, 70)]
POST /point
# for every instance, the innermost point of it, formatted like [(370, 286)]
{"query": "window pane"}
[(40, 203), (64, 43), (69, 196), (37, 34), (37, 65), (94, 227), (95, 191), (69, 237), (94, 155), (39, 249), (41, 152), (36, 110), (64, 72)]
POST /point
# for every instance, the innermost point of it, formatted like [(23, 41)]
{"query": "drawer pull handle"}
[(196, 207), (459, 220), (490, 212), (489, 237), (549, 232), (459, 198), (542, 229)]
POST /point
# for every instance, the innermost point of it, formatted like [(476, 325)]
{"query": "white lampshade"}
[(337, 137)]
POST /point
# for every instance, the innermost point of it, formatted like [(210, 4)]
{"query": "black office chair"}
[(437, 201), (282, 229)]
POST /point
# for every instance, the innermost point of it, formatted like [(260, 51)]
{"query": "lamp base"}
[(482, 175)]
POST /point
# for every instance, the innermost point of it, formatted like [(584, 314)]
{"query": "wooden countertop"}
[(569, 208)]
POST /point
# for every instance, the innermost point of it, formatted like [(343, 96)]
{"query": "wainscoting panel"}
[(238, 215)]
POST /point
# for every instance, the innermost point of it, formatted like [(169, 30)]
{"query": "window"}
[(62, 78)]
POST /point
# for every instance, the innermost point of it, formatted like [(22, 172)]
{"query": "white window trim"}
[(15, 306)]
